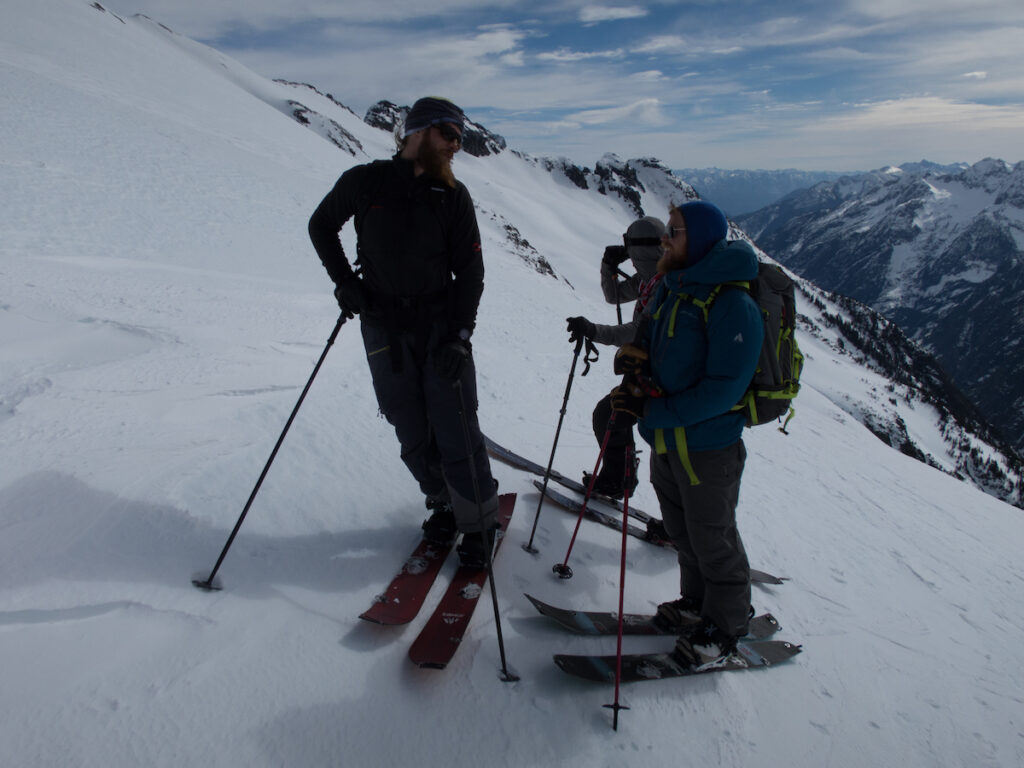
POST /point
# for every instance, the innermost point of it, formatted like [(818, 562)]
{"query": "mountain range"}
[(739, 192), (940, 253)]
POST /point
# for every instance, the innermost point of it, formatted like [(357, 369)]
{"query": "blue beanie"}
[(432, 110), (705, 226)]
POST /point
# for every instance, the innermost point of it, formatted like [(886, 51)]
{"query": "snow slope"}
[(161, 309)]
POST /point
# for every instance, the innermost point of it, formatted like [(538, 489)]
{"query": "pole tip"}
[(207, 585), (562, 570)]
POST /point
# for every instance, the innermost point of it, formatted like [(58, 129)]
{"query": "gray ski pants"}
[(701, 521), (425, 411)]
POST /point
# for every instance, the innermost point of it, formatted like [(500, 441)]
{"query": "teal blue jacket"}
[(702, 367)]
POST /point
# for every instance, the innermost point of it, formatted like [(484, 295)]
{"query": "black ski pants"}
[(701, 521), (425, 410)]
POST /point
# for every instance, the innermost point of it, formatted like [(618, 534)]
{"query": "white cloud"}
[(647, 111), (975, 75), (648, 76), (564, 54), (927, 113), (595, 14), (662, 44)]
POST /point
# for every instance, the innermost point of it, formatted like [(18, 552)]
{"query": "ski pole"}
[(618, 300), (506, 675), (630, 469), (562, 569), (208, 583), (528, 546)]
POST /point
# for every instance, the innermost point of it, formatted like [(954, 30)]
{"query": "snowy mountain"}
[(161, 309), (941, 254), (739, 192)]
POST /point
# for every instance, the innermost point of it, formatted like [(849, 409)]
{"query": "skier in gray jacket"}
[(642, 246)]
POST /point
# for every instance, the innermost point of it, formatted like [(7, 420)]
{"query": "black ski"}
[(514, 459), (608, 519), (658, 666), (607, 622), (615, 521)]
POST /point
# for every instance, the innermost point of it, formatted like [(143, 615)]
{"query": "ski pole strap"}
[(792, 413), (589, 357), (660, 446)]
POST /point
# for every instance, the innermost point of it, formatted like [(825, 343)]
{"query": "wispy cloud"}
[(646, 111), (927, 113), (595, 14), (564, 54), (740, 83), (662, 44)]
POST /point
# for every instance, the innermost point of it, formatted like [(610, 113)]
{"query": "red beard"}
[(435, 163)]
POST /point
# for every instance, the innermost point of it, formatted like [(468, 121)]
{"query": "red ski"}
[(401, 601), (444, 630)]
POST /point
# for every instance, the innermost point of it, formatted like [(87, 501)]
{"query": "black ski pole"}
[(618, 300), (208, 583), (631, 466), (506, 675), (528, 546)]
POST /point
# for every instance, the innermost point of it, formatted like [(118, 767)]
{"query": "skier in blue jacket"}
[(701, 348)]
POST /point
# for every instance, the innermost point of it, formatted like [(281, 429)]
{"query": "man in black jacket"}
[(417, 293)]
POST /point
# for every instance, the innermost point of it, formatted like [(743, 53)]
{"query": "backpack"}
[(776, 381)]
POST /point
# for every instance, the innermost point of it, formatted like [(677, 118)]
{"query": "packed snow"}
[(161, 310)]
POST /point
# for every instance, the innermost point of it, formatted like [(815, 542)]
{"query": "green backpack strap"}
[(661, 447)]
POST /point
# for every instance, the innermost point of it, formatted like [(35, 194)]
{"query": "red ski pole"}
[(562, 569), (616, 706)]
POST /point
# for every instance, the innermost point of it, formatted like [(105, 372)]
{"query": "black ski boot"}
[(608, 486), (679, 616), (705, 646), (471, 549), (440, 527), (656, 531)]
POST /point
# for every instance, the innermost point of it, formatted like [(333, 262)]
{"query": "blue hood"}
[(727, 260), (705, 226)]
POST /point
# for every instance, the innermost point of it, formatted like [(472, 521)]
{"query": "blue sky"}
[(844, 85)]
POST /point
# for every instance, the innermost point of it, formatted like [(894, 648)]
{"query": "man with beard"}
[(416, 292), (699, 352)]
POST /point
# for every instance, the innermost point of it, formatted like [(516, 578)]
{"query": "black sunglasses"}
[(448, 133)]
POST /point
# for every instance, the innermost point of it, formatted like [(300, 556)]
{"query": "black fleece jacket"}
[(417, 237)]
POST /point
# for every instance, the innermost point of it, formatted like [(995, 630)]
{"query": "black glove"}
[(451, 358), (579, 328), (351, 296), (631, 360), (614, 255), (629, 398)]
